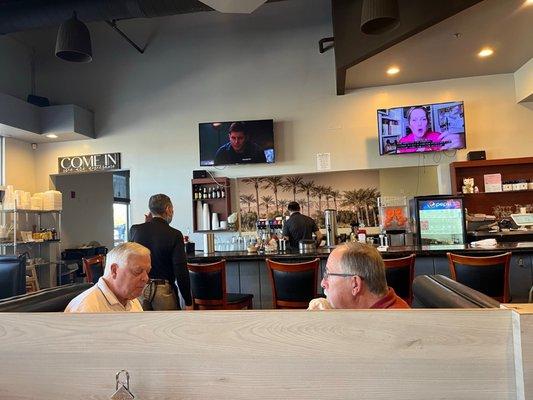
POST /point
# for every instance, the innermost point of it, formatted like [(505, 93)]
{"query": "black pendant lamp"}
[(73, 41), (378, 16)]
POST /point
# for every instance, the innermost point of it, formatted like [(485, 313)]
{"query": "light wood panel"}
[(382, 354)]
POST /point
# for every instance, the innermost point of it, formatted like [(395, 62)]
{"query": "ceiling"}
[(22, 15), (435, 53)]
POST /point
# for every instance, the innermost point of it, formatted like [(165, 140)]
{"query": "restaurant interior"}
[(104, 104)]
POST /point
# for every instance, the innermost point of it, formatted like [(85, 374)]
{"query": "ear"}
[(357, 283), (114, 270)]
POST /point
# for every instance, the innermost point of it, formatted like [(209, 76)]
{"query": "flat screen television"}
[(422, 128), (440, 220), (237, 142)]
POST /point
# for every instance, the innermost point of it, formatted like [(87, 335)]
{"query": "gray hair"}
[(158, 203), (121, 253), (365, 261)]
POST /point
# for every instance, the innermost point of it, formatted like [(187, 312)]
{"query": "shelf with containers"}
[(512, 170), (216, 193), (36, 232)]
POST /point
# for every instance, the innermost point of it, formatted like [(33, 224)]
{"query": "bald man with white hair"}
[(125, 276)]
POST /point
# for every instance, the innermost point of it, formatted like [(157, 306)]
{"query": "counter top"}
[(399, 251)]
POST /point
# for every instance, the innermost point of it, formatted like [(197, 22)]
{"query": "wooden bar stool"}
[(32, 281), (93, 268), (293, 285), (488, 275), (208, 287), (400, 273)]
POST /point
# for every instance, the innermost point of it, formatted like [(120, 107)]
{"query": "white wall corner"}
[(523, 82)]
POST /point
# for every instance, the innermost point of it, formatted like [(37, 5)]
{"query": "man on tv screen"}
[(239, 149)]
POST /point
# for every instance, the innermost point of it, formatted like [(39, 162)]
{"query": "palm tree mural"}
[(336, 194), (247, 199), (327, 193), (292, 183), (373, 204), (307, 187), (283, 203), (319, 191), (256, 182), (303, 203), (273, 182), (350, 200), (267, 201)]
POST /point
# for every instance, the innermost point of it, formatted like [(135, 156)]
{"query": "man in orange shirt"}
[(355, 278)]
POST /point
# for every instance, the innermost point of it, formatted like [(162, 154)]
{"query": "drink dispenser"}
[(330, 217), (394, 218)]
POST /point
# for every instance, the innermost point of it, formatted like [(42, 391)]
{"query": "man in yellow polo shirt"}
[(125, 276)]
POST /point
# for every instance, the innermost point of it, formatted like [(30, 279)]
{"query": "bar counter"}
[(247, 272), (396, 251)]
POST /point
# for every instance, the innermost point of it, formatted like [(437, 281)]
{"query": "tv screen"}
[(237, 142), (422, 128)]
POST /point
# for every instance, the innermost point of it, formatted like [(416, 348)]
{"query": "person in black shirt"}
[(239, 149), (169, 261), (299, 227)]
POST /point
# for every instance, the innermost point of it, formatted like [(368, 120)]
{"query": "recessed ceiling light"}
[(393, 70), (51, 136), (487, 51)]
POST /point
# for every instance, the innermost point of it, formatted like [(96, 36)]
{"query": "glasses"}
[(327, 274)]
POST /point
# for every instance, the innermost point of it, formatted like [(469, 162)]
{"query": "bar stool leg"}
[(530, 294)]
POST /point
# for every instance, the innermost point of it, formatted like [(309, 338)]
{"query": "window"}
[(121, 206)]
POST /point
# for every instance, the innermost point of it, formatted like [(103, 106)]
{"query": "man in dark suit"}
[(169, 262)]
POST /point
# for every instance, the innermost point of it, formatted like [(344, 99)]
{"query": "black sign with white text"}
[(88, 163)]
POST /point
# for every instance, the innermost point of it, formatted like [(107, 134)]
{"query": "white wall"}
[(524, 82), (88, 216), (19, 165), (212, 66)]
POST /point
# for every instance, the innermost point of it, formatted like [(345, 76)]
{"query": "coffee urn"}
[(330, 217)]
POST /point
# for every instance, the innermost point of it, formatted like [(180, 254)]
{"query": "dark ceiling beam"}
[(352, 46)]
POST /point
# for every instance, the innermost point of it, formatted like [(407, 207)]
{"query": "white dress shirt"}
[(100, 298)]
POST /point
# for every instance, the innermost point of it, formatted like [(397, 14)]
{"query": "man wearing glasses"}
[(355, 278)]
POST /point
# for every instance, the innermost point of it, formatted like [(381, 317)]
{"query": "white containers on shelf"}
[(52, 200), (199, 216), (206, 216)]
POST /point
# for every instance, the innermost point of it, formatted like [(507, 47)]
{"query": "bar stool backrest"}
[(400, 273), (488, 275), (93, 267), (293, 285), (208, 285)]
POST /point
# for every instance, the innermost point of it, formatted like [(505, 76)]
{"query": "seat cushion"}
[(238, 297)]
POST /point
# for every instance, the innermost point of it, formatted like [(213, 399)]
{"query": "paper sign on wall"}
[(323, 161)]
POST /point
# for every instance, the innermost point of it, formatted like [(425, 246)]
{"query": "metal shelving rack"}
[(13, 246)]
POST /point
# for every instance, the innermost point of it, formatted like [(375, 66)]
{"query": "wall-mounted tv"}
[(237, 142), (422, 128)]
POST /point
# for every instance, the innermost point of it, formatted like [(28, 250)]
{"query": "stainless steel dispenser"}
[(330, 217)]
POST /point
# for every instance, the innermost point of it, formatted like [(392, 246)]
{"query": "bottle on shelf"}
[(361, 234)]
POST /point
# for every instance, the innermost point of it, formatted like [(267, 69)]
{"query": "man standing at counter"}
[(169, 262), (355, 278), (299, 226), (125, 276)]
